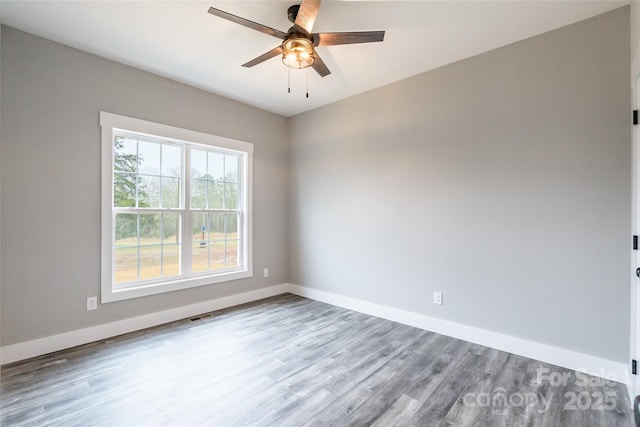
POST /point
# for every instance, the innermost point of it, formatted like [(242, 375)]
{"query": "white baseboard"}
[(569, 359), (38, 347)]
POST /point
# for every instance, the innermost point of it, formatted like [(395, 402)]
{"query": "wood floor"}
[(290, 361)]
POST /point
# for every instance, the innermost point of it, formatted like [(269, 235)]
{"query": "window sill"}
[(111, 295)]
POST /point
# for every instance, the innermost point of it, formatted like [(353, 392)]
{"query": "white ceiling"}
[(181, 41)]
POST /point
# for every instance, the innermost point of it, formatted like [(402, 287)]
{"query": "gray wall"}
[(634, 13), (635, 39), (502, 180), (51, 99), (0, 190)]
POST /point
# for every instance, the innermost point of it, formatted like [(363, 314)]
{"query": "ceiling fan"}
[(299, 43)]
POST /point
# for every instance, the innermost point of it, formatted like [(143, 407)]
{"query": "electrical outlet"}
[(266, 272), (92, 303), (437, 298)]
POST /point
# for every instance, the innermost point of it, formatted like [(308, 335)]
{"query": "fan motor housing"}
[(292, 13)]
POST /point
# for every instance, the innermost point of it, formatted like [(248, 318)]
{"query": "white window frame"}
[(112, 122)]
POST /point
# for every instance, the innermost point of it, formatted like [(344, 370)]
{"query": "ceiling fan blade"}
[(249, 24), (273, 52), (332, 39), (320, 66), (307, 14)]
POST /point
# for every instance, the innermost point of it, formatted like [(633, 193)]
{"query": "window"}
[(176, 208)]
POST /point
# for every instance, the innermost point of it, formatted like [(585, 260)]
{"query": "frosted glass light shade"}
[(297, 53)]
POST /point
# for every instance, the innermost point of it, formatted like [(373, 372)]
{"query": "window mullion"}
[(240, 227), (137, 176), (161, 244), (138, 243), (160, 177), (187, 220)]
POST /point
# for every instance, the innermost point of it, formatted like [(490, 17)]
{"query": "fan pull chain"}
[(288, 80), (307, 82)]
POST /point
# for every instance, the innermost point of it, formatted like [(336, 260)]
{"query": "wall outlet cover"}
[(437, 298)]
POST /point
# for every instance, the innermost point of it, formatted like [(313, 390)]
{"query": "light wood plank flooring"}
[(290, 361)]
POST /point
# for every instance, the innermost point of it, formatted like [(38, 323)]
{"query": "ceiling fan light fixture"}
[(298, 53), (298, 44)]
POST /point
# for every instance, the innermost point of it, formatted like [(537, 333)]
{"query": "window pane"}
[(125, 154), (171, 160), (199, 257), (198, 194), (199, 246), (198, 163), (149, 192), (171, 228), (231, 168), (170, 192), (232, 254), (125, 261), (216, 255), (231, 226), (230, 196), (126, 229), (150, 262), (216, 194), (170, 260), (200, 223), (149, 157), (150, 229), (124, 190), (171, 244), (216, 222), (216, 166)]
